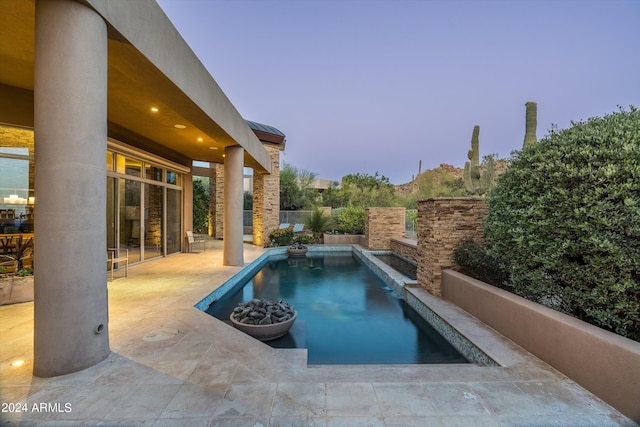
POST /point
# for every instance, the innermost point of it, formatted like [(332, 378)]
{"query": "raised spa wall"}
[(606, 364)]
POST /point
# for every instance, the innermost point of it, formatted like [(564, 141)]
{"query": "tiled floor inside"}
[(172, 365)]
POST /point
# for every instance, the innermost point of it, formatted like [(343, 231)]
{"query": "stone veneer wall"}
[(443, 223), (382, 225), (266, 198), (216, 198), (406, 248)]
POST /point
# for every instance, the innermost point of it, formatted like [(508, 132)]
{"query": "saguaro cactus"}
[(472, 167), (531, 124)]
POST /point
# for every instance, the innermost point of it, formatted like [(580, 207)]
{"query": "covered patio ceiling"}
[(155, 82)]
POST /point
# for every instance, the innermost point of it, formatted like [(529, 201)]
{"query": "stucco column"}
[(70, 312), (233, 200)]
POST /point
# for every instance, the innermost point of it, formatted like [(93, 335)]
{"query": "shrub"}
[(281, 237), (351, 220), (200, 204), (474, 261), (304, 239), (564, 221), (25, 272)]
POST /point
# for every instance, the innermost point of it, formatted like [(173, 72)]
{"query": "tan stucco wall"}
[(604, 363), (344, 239)]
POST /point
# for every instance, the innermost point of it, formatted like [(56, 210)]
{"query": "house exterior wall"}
[(71, 72)]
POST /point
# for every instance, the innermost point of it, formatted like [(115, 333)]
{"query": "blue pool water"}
[(346, 314)]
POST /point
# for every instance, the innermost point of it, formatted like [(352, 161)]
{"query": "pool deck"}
[(172, 365)]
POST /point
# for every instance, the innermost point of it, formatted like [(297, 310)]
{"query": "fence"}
[(411, 223), (286, 217), (298, 217)]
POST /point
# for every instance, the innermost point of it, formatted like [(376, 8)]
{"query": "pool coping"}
[(469, 336)]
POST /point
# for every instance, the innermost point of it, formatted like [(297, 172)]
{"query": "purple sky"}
[(378, 85)]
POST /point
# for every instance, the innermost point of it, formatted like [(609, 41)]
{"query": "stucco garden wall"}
[(606, 364), (443, 223), (343, 239)]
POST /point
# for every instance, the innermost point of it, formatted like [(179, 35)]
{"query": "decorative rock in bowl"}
[(263, 319), (297, 250)]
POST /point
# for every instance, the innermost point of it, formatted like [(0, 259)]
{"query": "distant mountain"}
[(429, 181)]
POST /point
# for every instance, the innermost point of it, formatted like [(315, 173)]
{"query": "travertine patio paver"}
[(172, 365)]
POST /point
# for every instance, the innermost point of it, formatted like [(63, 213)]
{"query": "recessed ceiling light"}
[(17, 363), (154, 109), (179, 126), (199, 139), (213, 148)]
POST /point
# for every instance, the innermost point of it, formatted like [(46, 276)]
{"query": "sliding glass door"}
[(174, 220), (144, 208), (130, 225), (153, 221)]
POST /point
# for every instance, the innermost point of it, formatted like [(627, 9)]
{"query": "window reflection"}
[(130, 218), (17, 199), (152, 172), (153, 213)]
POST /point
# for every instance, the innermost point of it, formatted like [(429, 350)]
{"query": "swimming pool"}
[(346, 314)]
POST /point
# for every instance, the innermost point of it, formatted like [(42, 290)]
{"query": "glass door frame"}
[(120, 178)]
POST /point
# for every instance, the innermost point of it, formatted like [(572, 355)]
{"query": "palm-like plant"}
[(318, 222), (24, 249)]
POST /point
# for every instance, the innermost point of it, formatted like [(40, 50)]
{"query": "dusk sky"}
[(365, 86)]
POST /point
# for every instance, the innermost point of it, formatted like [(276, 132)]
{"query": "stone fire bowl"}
[(265, 332)]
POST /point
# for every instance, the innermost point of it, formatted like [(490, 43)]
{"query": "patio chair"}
[(297, 228), (8, 264), (195, 238), (284, 225), (27, 258), (115, 256)]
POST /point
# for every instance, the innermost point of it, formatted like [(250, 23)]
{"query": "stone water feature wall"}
[(382, 225), (443, 223), (406, 248), (266, 197)]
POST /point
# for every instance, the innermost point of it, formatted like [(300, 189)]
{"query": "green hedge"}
[(564, 221), (281, 237), (351, 220)]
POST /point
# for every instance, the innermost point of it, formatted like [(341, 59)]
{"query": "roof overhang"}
[(149, 65)]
